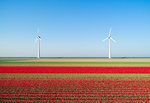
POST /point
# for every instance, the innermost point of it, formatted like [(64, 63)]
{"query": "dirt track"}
[(86, 60)]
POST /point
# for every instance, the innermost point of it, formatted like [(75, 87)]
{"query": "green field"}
[(74, 61), (102, 64)]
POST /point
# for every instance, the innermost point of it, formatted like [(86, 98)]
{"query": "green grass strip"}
[(136, 64), (68, 75)]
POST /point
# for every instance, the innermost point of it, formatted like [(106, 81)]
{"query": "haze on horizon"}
[(74, 28)]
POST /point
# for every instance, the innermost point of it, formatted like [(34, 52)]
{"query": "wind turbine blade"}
[(104, 39), (37, 30), (109, 31), (112, 39)]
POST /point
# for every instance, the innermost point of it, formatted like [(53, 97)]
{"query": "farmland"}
[(74, 88), (68, 61), (75, 80)]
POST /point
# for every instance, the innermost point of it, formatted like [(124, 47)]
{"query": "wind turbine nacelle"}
[(39, 37)]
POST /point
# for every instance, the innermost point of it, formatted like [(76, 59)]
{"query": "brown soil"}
[(86, 60)]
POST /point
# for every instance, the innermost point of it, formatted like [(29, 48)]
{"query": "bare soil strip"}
[(85, 60)]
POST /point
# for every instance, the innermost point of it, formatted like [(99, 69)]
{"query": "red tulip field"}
[(25, 69), (74, 89), (55, 87)]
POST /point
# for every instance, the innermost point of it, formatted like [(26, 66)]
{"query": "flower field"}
[(75, 84), (100, 89), (24, 69)]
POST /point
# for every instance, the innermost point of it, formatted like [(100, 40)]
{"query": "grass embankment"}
[(75, 61), (99, 64)]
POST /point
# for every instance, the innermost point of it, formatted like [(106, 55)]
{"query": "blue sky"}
[(74, 28)]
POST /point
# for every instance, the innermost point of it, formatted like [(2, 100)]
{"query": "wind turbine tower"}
[(109, 40), (38, 49)]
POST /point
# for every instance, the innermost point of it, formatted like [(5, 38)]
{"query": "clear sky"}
[(74, 28)]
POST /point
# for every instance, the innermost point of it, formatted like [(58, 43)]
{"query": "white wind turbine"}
[(109, 38), (38, 49)]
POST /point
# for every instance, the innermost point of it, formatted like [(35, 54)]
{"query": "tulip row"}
[(74, 90), (25, 69)]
